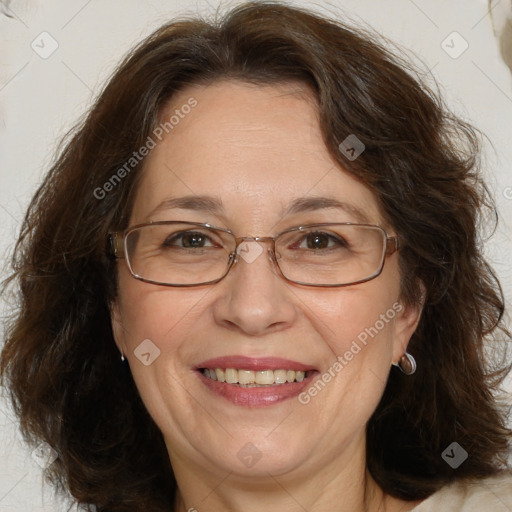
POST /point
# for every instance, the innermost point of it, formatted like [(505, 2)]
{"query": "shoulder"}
[(493, 493)]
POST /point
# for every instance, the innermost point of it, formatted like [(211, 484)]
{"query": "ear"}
[(117, 326), (406, 322)]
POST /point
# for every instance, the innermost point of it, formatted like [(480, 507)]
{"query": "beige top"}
[(488, 495)]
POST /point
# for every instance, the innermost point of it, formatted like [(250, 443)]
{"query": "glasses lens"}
[(331, 254), (178, 253)]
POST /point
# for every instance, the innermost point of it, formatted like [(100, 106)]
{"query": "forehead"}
[(253, 148)]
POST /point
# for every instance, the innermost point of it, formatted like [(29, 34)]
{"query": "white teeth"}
[(280, 376), (250, 378), (231, 376), (246, 377), (265, 377)]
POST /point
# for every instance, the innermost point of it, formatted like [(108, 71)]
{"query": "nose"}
[(253, 298)]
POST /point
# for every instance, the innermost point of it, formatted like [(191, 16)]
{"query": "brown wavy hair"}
[(60, 363)]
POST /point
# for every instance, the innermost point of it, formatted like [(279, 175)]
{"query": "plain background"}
[(40, 99)]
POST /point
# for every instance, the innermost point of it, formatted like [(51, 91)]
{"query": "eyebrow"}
[(209, 204), (195, 203), (308, 204)]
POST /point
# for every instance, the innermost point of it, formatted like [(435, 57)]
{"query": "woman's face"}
[(254, 150)]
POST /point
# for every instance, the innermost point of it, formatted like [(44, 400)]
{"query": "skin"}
[(257, 148)]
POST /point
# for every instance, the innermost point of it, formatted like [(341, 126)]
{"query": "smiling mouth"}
[(254, 379)]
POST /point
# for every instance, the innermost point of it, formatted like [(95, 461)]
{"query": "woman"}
[(253, 277)]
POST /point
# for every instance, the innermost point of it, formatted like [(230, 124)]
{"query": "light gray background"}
[(40, 99)]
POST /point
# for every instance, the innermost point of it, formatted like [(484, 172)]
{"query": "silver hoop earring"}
[(407, 364)]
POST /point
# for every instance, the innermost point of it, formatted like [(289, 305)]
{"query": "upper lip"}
[(254, 363)]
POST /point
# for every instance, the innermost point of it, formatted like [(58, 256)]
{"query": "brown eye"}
[(320, 240), (317, 241), (188, 240)]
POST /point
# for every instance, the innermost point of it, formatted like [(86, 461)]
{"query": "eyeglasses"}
[(176, 253)]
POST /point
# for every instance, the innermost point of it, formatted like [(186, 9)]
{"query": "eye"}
[(188, 240), (320, 240)]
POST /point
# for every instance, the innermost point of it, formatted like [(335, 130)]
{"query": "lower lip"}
[(256, 397)]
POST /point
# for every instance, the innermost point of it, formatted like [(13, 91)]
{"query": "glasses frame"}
[(117, 247)]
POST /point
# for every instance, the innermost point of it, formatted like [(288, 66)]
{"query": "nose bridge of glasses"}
[(262, 239), (251, 247)]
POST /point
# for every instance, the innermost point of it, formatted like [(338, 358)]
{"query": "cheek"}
[(358, 329), (155, 323), (357, 326), (354, 317), (156, 312)]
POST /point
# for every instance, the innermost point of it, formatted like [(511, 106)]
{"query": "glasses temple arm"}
[(392, 244), (116, 245)]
